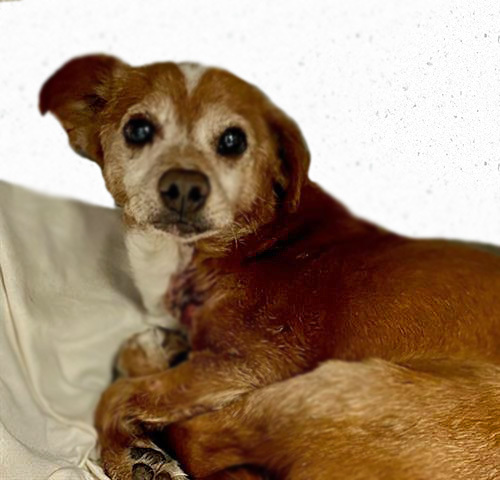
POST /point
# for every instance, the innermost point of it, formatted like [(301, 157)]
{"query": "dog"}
[(322, 346)]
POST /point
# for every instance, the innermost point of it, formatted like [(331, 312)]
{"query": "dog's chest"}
[(154, 257), (189, 292)]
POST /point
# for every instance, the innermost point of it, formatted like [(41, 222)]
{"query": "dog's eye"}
[(139, 131), (232, 142)]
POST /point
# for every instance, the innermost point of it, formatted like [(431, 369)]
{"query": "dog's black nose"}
[(184, 191)]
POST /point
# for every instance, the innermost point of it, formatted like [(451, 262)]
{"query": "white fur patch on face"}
[(232, 179), (145, 166), (192, 73)]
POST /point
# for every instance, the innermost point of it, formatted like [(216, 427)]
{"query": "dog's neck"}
[(309, 225)]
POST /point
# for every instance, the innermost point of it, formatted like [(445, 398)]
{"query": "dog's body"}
[(275, 277), (322, 284)]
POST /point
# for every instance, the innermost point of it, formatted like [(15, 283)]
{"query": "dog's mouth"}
[(182, 227)]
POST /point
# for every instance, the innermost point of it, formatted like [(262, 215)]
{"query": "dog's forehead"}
[(190, 88), (193, 73)]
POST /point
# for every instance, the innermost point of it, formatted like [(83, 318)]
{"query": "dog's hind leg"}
[(356, 420)]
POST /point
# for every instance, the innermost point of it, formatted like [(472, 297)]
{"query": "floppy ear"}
[(294, 154), (76, 94)]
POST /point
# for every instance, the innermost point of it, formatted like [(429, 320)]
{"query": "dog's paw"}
[(153, 464), (151, 351)]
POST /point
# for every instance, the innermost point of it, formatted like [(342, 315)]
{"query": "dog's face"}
[(184, 149)]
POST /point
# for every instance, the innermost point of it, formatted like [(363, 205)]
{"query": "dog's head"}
[(189, 150)]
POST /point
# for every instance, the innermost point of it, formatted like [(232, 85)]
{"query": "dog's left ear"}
[(77, 94), (294, 154)]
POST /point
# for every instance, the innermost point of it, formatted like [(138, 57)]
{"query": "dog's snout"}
[(184, 191)]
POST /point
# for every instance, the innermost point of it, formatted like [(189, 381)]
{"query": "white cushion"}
[(66, 303)]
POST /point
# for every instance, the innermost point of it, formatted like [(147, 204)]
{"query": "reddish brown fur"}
[(306, 282)]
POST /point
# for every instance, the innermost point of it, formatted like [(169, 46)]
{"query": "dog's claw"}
[(153, 457)]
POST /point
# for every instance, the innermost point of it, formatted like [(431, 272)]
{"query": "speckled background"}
[(399, 100)]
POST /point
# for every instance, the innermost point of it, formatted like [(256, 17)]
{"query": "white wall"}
[(399, 100)]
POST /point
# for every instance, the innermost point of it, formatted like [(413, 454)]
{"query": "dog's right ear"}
[(77, 94), (294, 154)]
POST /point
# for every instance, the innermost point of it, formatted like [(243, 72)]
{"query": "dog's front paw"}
[(153, 464), (151, 351), (142, 461)]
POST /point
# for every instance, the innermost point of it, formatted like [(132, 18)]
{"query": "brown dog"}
[(272, 278)]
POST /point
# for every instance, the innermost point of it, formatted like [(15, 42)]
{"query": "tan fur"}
[(282, 280)]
